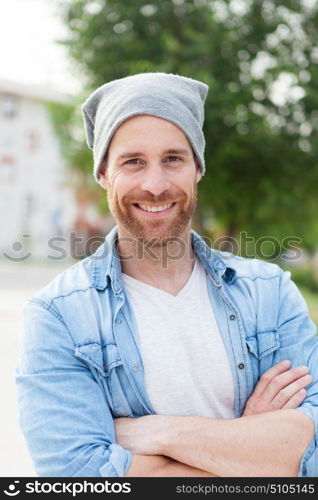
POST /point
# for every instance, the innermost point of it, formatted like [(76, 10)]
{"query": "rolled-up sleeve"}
[(63, 412), (299, 343), (309, 463), (118, 462)]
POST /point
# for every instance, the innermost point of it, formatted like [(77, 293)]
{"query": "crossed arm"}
[(268, 440)]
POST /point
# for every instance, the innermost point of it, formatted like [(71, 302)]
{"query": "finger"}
[(296, 400), (289, 391), (269, 375), (281, 381)]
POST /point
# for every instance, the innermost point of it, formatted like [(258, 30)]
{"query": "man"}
[(158, 356)]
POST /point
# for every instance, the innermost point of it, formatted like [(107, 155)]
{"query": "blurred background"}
[(259, 195)]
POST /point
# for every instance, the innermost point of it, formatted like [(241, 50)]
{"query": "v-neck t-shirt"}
[(186, 367)]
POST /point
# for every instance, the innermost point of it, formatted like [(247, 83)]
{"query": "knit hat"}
[(176, 98)]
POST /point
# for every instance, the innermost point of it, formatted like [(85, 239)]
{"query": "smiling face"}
[(151, 179)]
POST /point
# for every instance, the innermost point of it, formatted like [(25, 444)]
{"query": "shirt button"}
[(241, 366), (118, 321), (105, 368), (232, 317), (135, 369)]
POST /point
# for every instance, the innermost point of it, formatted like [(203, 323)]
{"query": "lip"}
[(155, 215)]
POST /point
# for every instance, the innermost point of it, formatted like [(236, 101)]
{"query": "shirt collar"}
[(212, 261), (106, 267)]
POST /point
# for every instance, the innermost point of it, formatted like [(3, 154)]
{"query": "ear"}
[(198, 173), (103, 178)]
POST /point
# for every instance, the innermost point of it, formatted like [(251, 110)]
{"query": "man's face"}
[(150, 166)]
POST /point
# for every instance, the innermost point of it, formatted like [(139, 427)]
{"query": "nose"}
[(154, 179)]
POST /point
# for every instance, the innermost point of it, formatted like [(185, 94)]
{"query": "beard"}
[(159, 231)]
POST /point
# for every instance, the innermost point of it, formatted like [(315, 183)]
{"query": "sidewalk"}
[(18, 281)]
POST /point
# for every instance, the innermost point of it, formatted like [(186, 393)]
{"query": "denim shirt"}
[(80, 367)]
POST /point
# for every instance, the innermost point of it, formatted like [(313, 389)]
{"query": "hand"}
[(140, 435), (279, 388)]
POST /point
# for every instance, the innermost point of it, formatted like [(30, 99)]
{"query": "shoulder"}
[(251, 269), (75, 279)]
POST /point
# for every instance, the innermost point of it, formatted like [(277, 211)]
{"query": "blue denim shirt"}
[(80, 367)]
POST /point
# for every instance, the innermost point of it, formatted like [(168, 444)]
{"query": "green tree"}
[(259, 59)]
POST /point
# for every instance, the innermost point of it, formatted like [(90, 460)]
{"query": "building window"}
[(9, 105), (6, 168), (33, 141)]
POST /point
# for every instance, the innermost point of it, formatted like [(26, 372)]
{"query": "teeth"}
[(155, 209)]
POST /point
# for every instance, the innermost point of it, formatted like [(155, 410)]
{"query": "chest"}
[(114, 352), (186, 366)]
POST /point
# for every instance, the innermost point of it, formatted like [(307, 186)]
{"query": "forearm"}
[(267, 444), (160, 466)]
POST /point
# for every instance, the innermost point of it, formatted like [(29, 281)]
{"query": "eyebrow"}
[(130, 154)]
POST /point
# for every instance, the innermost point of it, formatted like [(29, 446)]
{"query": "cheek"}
[(188, 187), (120, 188)]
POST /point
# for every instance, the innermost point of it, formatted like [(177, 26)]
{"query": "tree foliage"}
[(260, 60)]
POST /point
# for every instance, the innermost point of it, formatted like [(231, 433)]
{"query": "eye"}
[(173, 159), (132, 161)]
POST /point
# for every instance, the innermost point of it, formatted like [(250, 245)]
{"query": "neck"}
[(166, 267)]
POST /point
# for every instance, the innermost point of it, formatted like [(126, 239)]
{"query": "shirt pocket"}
[(262, 347), (107, 368)]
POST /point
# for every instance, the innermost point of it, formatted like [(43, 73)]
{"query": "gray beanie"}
[(176, 98)]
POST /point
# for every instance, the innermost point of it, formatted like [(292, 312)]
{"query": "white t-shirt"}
[(186, 367)]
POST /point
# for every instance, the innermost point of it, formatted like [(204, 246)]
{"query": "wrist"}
[(169, 432)]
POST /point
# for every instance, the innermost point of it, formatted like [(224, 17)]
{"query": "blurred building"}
[(36, 196)]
